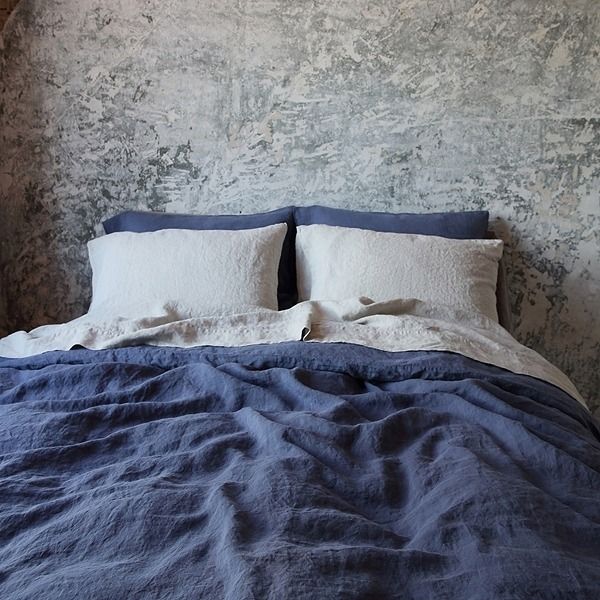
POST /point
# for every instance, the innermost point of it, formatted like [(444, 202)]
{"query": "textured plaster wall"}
[(239, 106)]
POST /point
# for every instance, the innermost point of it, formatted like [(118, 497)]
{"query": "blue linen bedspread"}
[(293, 470)]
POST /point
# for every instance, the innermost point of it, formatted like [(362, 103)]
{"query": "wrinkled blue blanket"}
[(295, 470)]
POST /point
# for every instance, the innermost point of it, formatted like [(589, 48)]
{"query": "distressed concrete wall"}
[(242, 105)]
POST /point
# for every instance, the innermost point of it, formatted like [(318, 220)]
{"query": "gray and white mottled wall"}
[(242, 105)]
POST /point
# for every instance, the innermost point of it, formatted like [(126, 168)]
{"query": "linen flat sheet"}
[(396, 325), (292, 470)]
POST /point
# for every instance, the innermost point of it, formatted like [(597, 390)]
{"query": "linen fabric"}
[(144, 221), (292, 471), (458, 225), (335, 263), (191, 273)]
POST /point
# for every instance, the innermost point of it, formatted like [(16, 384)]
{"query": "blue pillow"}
[(141, 222), (458, 225)]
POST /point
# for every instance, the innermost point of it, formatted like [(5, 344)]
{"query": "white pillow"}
[(190, 272), (335, 263)]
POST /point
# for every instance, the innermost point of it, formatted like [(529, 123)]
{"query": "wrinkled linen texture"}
[(292, 470)]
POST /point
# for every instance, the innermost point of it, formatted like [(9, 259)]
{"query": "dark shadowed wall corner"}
[(6, 7), (241, 106), (3, 321)]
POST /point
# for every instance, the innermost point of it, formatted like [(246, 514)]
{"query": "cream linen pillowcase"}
[(335, 263), (188, 272)]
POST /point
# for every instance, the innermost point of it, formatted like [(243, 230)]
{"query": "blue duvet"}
[(296, 470)]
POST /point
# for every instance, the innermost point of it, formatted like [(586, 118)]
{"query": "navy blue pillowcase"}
[(458, 225), (140, 222)]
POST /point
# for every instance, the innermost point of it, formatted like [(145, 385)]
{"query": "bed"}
[(345, 447)]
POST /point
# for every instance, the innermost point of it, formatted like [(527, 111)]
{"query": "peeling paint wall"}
[(240, 106)]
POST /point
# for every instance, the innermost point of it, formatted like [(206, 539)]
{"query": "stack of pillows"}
[(202, 265)]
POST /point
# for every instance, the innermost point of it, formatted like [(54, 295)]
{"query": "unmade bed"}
[(346, 446)]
